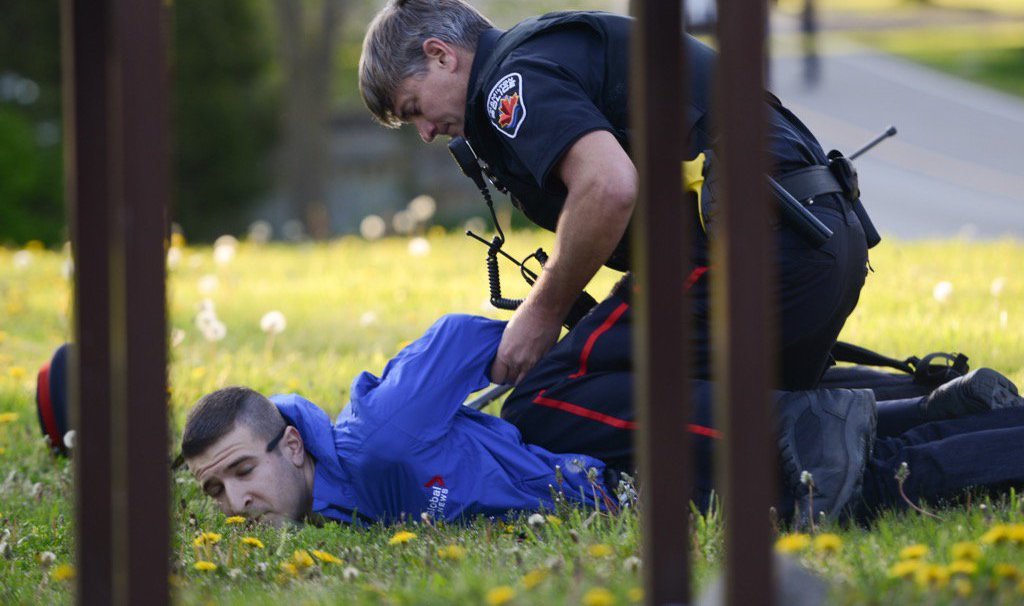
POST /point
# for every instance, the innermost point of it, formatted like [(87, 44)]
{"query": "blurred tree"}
[(308, 36), (30, 184), (224, 110)]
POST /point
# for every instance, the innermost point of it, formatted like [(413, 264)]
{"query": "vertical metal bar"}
[(744, 255), (661, 332), (140, 184), (84, 54)]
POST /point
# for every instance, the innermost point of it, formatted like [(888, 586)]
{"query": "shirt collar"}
[(484, 49)]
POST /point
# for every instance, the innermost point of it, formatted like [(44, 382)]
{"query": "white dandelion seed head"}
[(1004, 319), (403, 222), (273, 322), (208, 284), (372, 227), (69, 439), (22, 259), (419, 247), (5, 549), (262, 567), (631, 564), (806, 477), (942, 291), (422, 207), (174, 256), (223, 254), (260, 232), (234, 573), (368, 318), (215, 331), (177, 337), (206, 318), (997, 287), (350, 573), (536, 520), (46, 558), (67, 269), (37, 489)]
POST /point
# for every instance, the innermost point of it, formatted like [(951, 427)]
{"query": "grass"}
[(350, 305)]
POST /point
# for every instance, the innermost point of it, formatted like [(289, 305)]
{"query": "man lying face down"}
[(405, 445)]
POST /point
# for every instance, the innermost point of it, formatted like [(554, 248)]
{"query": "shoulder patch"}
[(506, 106)]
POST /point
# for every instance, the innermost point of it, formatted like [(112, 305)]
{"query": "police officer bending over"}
[(544, 106)]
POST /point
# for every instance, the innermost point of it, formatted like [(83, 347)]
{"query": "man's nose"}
[(427, 130), (237, 499)]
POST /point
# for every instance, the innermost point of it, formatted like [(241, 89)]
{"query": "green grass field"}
[(350, 305)]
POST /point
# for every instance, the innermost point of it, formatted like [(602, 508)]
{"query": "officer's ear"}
[(440, 51)]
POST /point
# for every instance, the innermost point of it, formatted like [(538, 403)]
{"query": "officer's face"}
[(245, 479), (435, 102)]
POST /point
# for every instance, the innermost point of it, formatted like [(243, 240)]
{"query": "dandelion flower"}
[(965, 567), (534, 577), (260, 232), (215, 332), (252, 542), (827, 543), (942, 291), (178, 240), (208, 284), (372, 227), (536, 520), (501, 594), (47, 558), (1016, 533), (302, 559), (963, 587), (22, 259), (204, 566), (600, 550), (402, 536), (289, 569), (931, 575), (207, 538), (1000, 533), (403, 222), (631, 564), (905, 569), (554, 521), (350, 573), (598, 596), (965, 550), (1006, 572), (273, 322), (8, 417), (235, 520), (997, 286), (368, 318), (792, 543), (177, 337), (635, 594), (419, 247), (64, 572), (913, 552), (224, 249), (16, 372), (451, 552), (173, 257), (422, 207), (325, 557)]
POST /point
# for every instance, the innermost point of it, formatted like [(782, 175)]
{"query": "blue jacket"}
[(405, 445)]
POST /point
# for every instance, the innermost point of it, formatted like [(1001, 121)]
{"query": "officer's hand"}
[(529, 335)]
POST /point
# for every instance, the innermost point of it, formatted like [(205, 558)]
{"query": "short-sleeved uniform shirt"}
[(547, 94)]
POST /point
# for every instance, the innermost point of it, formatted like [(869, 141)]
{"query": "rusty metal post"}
[(744, 365), (661, 332), (118, 182), (85, 81)]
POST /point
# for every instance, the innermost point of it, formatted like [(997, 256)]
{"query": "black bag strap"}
[(924, 370)]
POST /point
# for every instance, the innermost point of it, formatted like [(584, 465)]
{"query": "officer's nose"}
[(236, 499), (427, 130)]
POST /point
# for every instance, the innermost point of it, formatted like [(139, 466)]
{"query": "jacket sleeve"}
[(423, 387)]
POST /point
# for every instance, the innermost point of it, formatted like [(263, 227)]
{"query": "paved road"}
[(957, 165)]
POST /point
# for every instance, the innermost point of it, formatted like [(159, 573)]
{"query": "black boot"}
[(827, 433), (977, 391)]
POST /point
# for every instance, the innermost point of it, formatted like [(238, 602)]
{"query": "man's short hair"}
[(393, 46), (217, 413)]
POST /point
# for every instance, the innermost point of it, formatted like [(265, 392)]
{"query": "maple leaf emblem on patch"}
[(508, 110)]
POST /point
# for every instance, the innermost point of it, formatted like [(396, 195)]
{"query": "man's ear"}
[(439, 51), (293, 447)]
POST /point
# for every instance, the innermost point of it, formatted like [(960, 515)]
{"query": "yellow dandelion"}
[(293, 384), (63, 572), (534, 577), (965, 551), (598, 596), (963, 587), (451, 552), (289, 569), (2, 450), (1000, 533), (913, 552), (8, 417), (206, 538), (252, 542), (792, 543), (1006, 572), (3, 336), (16, 372), (1016, 533), (966, 567), (600, 550), (302, 559), (198, 372), (553, 520), (1020, 587), (509, 529), (325, 557), (204, 566), (235, 520), (177, 240), (931, 575), (827, 543), (501, 594), (635, 594), (402, 536), (905, 569)]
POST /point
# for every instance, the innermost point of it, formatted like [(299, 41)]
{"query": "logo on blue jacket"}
[(506, 106)]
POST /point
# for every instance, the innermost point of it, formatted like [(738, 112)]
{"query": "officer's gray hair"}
[(393, 46)]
